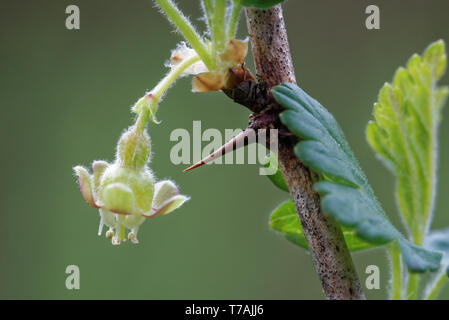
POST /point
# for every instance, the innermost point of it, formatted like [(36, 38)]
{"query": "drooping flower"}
[(125, 192)]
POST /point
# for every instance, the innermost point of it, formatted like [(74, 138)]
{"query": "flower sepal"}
[(166, 199)]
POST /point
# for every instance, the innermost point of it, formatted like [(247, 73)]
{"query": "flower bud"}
[(134, 149)]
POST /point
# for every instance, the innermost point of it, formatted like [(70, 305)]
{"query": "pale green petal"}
[(170, 205), (164, 190), (118, 198)]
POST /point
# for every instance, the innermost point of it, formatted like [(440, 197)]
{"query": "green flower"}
[(125, 192)]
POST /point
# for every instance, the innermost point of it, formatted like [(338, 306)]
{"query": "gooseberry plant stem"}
[(219, 25), (436, 285), (210, 15), (324, 236), (148, 103), (233, 19), (396, 271), (411, 292), (187, 30), (209, 11)]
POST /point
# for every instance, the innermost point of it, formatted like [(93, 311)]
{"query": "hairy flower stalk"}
[(180, 62), (187, 30), (234, 19)]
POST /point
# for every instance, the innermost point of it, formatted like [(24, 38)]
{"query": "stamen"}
[(100, 228), (132, 236), (115, 241), (110, 233)]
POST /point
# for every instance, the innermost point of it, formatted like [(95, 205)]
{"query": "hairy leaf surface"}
[(404, 134), (345, 192)]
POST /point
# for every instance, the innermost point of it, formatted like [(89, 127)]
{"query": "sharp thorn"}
[(196, 165), (233, 144)]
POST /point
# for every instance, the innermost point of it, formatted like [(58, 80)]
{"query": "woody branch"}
[(272, 59)]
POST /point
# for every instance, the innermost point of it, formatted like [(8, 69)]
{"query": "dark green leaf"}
[(262, 4), (345, 191)]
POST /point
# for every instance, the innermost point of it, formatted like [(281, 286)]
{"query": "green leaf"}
[(284, 219), (346, 194), (438, 240), (277, 178), (404, 133), (262, 4)]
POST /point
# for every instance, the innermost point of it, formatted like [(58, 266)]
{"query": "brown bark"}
[(331, 257)]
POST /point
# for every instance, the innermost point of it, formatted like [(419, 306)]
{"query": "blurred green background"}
[(65, 99)]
